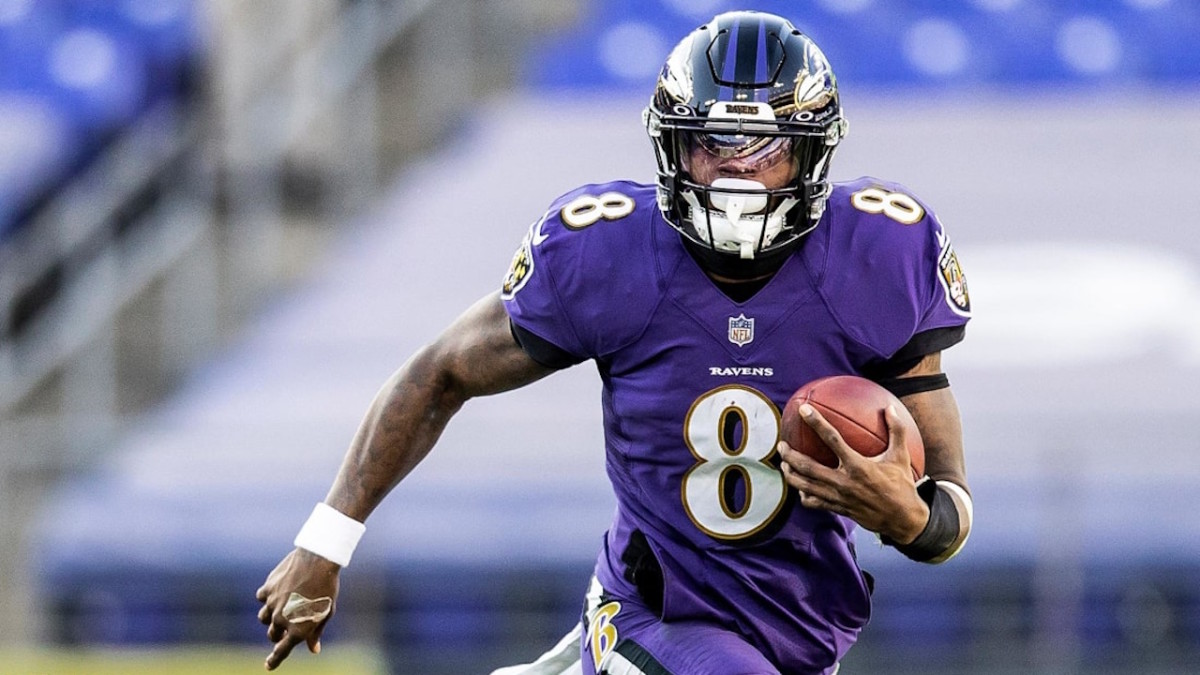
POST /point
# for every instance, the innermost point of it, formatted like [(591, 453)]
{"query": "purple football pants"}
[(624, 637)]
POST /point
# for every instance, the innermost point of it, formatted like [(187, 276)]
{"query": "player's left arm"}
[(946, 491), (927, 521)]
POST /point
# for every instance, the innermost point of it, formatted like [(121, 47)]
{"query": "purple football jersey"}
[(693, 385)]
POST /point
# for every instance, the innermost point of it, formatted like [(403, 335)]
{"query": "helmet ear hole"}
[(716, 93)]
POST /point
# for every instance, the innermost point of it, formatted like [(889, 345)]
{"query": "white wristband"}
[(330, 534)]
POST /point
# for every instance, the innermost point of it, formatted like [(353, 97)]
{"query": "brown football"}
[(854, 406)]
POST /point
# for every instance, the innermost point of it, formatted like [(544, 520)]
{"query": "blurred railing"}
[(152, 256), (108, 234)]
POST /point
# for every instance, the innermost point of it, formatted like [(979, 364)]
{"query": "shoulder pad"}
[(889, 270)]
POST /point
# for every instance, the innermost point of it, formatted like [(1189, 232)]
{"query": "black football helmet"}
[(747, 85)]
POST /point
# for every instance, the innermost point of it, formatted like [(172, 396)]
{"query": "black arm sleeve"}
[(940, 532), (541, 350), (921, 345)]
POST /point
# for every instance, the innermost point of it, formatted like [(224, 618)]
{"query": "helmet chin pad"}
[(736, 221)]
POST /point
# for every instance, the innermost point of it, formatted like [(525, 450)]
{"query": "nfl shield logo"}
[(741, 330)]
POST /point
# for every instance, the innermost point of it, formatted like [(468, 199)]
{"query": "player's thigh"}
[(627, 638)]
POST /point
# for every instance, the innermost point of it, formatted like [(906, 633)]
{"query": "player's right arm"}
[(475, 356)]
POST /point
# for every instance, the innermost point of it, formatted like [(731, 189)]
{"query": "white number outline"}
[(587, 210), (703, 488), (898, 206)]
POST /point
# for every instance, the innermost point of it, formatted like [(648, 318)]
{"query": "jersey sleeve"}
[(574, 283), (921, 345), (950, 304), (530, 293), (892, 273)]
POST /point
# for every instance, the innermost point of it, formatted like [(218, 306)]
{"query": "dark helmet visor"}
[(755, 152)]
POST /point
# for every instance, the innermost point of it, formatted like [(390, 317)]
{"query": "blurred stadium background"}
[(223, 223)]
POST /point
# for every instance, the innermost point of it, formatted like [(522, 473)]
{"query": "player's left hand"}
[(876, 492)]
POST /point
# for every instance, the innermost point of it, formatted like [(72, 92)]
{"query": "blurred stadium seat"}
[(92, 66), (905, 43), (36, 145), (1059, 127)]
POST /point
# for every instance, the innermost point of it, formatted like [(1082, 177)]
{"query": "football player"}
[(704, 300)]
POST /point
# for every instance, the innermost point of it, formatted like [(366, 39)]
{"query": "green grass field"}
[(339, 660)]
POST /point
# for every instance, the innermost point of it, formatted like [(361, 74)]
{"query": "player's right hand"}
[(299, 598)]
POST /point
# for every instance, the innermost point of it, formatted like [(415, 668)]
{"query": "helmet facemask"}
[(785, 127)]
